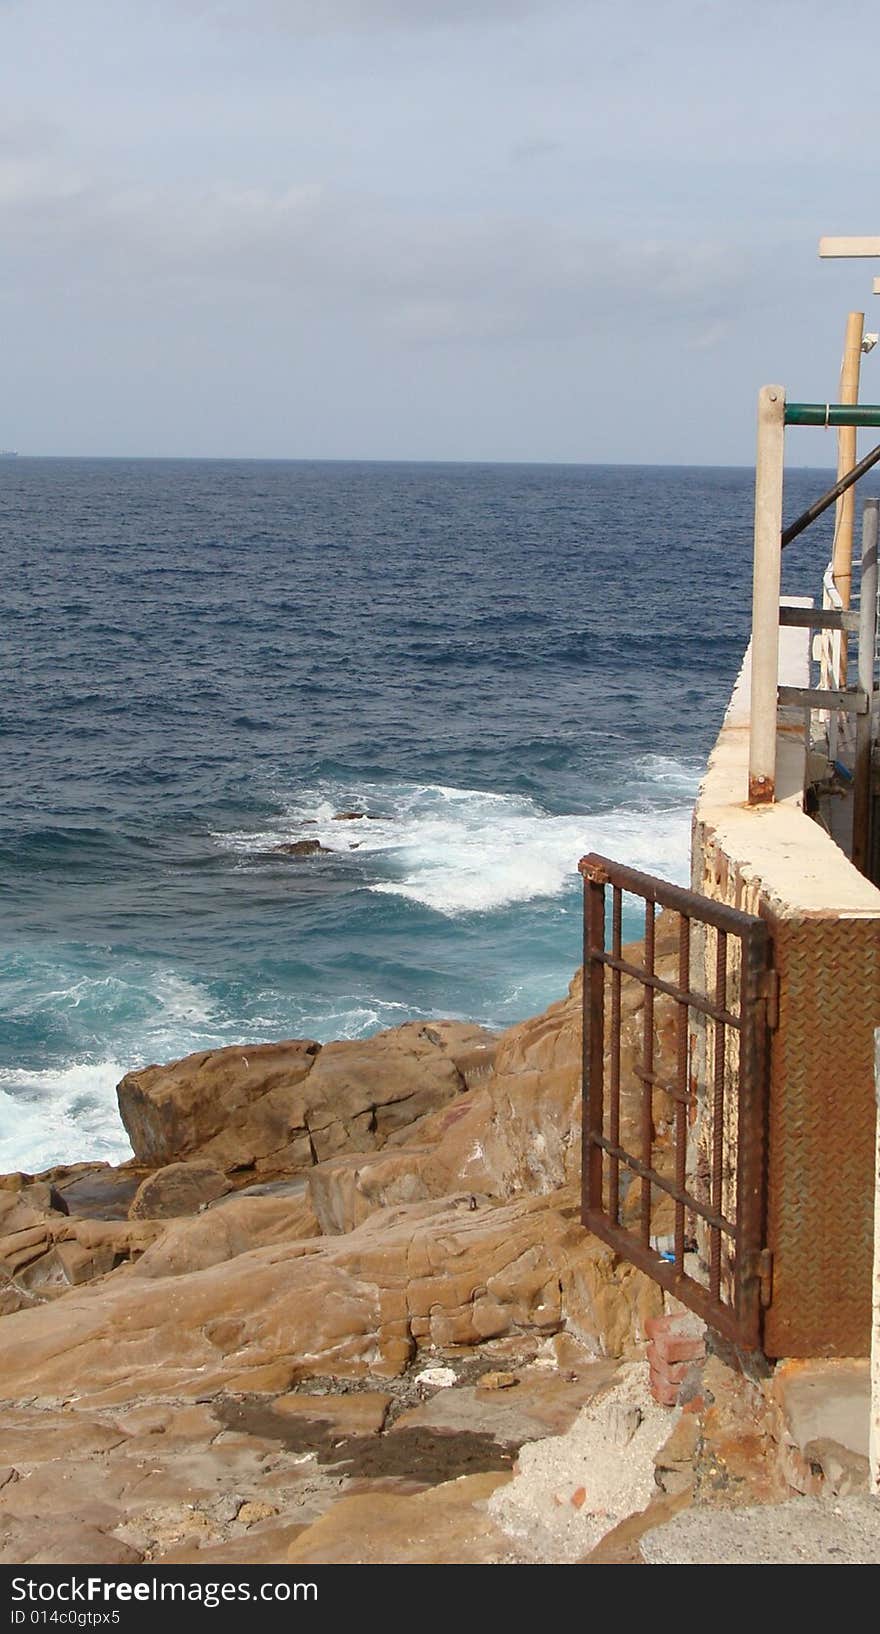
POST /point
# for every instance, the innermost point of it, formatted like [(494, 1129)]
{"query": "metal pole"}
[(765, 595), (593, 1110), (841, 566), (864, 723), (819, 505)]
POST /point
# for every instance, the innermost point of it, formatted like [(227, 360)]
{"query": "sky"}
[(551, 230)]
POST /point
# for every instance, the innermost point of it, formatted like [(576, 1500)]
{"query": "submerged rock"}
[(302, 848)]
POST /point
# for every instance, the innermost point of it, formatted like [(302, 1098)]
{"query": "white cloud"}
[(328, 16), (427, 277)]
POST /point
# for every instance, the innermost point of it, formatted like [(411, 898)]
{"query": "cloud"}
[(364, 16), (419, 278)]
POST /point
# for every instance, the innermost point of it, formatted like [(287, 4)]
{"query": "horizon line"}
[(9, 456)]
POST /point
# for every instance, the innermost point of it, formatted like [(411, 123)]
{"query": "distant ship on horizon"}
[(8, 453)]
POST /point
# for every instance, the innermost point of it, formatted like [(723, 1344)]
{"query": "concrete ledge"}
[(775, 856)]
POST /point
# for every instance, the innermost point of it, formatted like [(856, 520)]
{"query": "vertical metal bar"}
[(765, 595), (681, 1082), (751, 1140), (593, 1042), (614, 1131), (718, 1114), (647, 1120), (864, 723)]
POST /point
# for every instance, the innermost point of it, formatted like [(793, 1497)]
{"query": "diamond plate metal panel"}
[(821, 1137)]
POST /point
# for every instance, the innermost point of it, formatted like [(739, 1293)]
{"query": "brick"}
[(656, 1325), (673, 1372), (664, 1394), (679, 1348)]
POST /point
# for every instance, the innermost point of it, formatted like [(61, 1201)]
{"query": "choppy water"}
[(505, 666)]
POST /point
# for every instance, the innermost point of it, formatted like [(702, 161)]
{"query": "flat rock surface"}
[(827, 1400), (542, 1402), (448, 1525), (803, 1532)]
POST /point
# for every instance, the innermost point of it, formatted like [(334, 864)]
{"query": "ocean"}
[(500, 666)]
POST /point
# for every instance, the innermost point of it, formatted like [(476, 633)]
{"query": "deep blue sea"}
[(503, 666)]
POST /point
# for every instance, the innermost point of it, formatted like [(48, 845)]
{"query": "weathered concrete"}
[(803, 1532), (826, 1401), (773, 855)]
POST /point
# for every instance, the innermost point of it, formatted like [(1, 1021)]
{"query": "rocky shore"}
[(331, 1297)]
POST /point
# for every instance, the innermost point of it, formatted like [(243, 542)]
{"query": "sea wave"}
[(465, 851), (64, 1114)]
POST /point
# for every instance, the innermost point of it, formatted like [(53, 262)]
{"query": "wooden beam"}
[(831, 247)]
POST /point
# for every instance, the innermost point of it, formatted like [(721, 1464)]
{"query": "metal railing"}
[(632, 1169)]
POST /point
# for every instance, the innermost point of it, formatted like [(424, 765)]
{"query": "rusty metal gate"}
[(675, 1085)]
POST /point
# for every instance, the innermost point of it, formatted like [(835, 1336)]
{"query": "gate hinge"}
[(760, 1270), (768, 988)]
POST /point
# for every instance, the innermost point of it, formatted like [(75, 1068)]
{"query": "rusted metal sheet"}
[(717, 1203), (821, 1137)]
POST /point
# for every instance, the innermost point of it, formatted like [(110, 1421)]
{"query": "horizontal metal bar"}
[(832, 414), (656, 1082), (850, 699), (668, 1186), (696, 1001), (721, 1318), (820, 618), (602, 871)]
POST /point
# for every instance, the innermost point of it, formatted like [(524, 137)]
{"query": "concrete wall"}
[(776, 862)]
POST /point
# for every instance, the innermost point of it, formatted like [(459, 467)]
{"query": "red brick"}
[(665, 1394), (679, 1348), (673, 1372), (657, 1324)]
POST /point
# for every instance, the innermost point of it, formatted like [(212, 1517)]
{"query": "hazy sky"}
[(422, 229)]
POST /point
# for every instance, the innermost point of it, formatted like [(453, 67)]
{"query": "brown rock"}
[(497, 1381), (544, 1403), (428, 1274), (179, 1188), (348, 1188), (172, 1112), (363, 1412), (43, 1261), (447, 1525), (303, 848), (250, 1514), (279, 1108), (263, 1546), (59, 1542), (234, 1226), (361, 1092)]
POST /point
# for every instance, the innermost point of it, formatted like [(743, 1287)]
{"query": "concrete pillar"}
[(765, 595)]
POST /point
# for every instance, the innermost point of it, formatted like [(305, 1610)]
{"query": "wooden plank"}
[(831, 247), (819, 618), (852, 701)]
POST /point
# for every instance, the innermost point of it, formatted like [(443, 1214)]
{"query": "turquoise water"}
[(504, 666)]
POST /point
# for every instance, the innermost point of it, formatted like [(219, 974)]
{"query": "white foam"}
[(181, 1000), (63, 1115), (465, 851)]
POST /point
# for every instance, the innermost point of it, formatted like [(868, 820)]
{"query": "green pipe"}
[(832, 414)]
